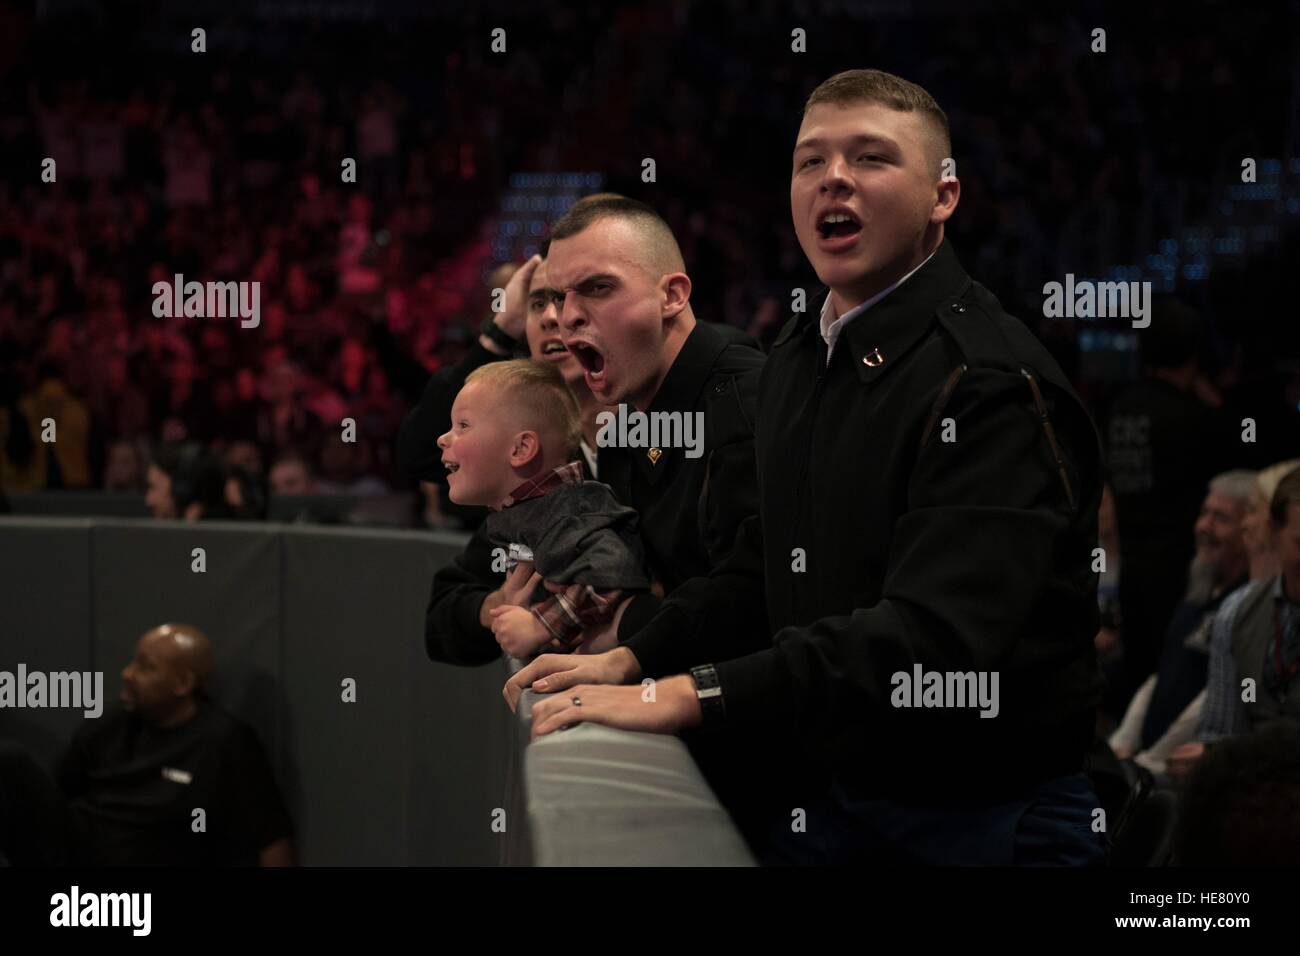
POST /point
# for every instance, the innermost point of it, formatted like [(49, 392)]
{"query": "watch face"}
[(705, 678)]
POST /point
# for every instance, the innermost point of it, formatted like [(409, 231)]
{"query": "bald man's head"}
[(170, 665), (188, 646), (655, 249)]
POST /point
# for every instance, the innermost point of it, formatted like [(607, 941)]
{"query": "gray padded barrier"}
[(46, 621), (87, 504), (414, 772), (519, 842), (408, 774), (417, 764), (387, 510), (141, 576), (603, 797)]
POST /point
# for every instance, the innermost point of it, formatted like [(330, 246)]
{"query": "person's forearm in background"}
[(1126, 740)]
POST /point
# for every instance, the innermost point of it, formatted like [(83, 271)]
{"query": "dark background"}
[(225, 165)]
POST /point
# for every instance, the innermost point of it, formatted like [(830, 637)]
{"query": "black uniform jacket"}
[(690, 508), (929, 498)]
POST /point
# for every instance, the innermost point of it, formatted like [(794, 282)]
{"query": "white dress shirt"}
[(832, 327)]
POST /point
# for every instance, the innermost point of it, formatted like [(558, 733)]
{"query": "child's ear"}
[(526, 447)]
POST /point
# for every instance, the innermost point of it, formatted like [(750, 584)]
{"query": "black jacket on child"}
[(578, 534)]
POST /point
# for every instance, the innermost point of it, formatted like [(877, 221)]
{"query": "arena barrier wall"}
[(426, 760)]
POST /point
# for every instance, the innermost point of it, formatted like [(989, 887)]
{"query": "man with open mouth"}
[(630, 336), (929, 485), (626, 317)]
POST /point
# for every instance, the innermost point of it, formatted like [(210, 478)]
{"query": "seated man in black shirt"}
[(168, 779)]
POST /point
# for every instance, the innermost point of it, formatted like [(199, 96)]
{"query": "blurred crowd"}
[(166, 167), (223, 168)]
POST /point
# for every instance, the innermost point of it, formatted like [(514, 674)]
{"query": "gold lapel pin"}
[(654, 454), (874, 358)]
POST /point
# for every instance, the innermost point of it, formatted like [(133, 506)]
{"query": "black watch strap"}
[(498, 335), (709, 692)]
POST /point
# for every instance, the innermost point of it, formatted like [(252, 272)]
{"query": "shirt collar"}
[(568, 474), (832, 326)]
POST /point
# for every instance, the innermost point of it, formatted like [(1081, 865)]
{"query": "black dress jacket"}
[(929, 498)]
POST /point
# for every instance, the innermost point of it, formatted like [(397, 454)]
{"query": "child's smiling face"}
[(476, 449)]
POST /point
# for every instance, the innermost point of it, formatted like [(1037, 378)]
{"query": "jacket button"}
[(958, 307)]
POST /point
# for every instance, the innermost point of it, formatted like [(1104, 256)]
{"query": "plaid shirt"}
[(566, 614), (570, 474), (1225, 714)]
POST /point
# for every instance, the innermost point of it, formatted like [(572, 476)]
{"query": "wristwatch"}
[(498, 336), (709, 692)]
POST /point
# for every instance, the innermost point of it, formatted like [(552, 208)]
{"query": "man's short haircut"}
[(1237, 484), (540, 397), (1286, 495), (661, 255), (590, 198), (876, 86)]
